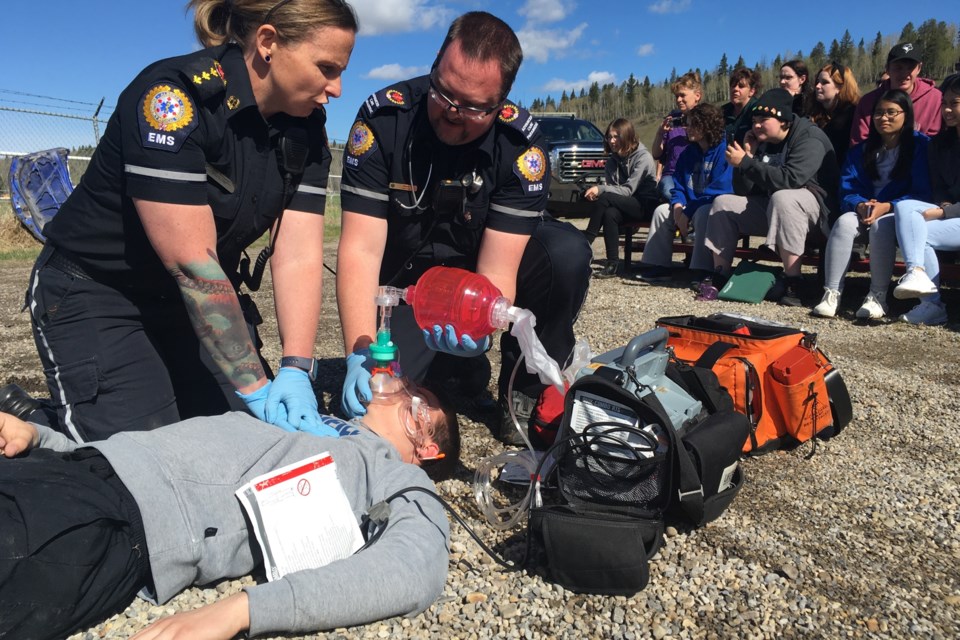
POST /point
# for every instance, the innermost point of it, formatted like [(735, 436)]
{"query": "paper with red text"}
[(301, 516)]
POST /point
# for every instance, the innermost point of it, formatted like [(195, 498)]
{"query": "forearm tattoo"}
[(218, 320)]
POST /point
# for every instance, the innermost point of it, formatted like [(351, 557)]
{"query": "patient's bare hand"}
[(16, 436), (219, 621)]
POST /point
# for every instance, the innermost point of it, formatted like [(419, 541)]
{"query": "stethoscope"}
[(472, 181)]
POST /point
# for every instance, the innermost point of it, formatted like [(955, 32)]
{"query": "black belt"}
[(65, 265)]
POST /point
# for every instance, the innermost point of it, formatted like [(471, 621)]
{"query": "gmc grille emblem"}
[(592, 164)]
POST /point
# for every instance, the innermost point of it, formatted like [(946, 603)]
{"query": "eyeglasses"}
[(415, 416), (470, 113), (886, 113)]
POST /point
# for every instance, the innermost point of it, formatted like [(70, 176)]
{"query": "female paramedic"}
[(135, 300)]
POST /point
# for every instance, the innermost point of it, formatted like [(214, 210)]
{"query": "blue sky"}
[(96, 46)]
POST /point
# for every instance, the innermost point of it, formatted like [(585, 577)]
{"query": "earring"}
[(266, 58)]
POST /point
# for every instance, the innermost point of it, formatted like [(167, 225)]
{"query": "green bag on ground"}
[(750, 282)]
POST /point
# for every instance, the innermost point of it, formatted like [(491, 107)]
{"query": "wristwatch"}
[(307, 364)]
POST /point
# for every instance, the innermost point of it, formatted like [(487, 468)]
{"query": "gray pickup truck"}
[(577, 161)]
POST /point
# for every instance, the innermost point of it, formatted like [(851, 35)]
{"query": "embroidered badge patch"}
[(360, 144), (395, 97), (531, 167), (166, 117), (509, 113)]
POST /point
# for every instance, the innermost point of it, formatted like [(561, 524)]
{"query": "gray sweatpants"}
[(785, 219), (659, 248)]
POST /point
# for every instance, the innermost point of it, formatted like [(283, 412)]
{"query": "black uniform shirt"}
[(187, 130), (394, 167)]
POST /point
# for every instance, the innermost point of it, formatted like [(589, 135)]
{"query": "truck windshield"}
[(562, 130)]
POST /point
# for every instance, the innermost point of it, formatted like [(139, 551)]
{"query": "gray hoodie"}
[(183, 477), (634, 175)]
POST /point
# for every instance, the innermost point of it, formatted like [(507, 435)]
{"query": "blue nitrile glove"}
[(447, 342), (257, 400), (356, 385), (292, 401)]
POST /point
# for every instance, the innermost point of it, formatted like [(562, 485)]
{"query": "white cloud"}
[(645, 49), (669, 6), (547, 10), (540, 44), (395, 72), (600, 77), (377, 16)]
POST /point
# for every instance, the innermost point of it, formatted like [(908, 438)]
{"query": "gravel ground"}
[(861, 540)]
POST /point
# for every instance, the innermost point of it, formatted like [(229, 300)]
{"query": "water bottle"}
[(466, 300)]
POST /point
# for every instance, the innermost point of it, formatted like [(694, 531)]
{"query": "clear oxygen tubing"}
[(503, 518)]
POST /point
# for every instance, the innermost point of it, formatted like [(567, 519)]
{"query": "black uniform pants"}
[(552, 282), (117, 360), (72, 546), (611, 210)]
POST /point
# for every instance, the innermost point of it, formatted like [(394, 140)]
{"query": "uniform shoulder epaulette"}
[(518, 118), (205, 76), (396, 97)]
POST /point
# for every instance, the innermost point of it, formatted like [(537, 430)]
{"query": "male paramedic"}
[(84, 529), (444, 170)]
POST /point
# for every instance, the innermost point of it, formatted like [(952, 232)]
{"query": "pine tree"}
[(723, 69), (818, 56), (846, 48)]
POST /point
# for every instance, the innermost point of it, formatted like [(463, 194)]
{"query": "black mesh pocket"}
[(615, 466)]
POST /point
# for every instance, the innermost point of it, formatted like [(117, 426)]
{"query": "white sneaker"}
[(928, 313), (914, 284), (874, 306), (828, 306)]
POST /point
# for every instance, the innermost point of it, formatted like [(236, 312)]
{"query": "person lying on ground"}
[(84, 529)]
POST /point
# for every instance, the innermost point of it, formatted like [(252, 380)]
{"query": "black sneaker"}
[(610, 270), (17, 402), (523, 406), (791, 295), (655, 274)]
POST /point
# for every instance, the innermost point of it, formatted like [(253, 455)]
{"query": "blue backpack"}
[(39, 184)]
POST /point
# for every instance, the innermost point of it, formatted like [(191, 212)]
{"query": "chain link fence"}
[(26, 126)]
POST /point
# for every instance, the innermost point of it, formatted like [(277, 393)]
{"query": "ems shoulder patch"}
[(360, 144), (389, 97), (518, 118), (166, 117), (531, 167)]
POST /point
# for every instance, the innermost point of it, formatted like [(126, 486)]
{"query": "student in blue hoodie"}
[(702, 173), (889, 166)]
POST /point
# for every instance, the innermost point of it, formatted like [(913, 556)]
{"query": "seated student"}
[(836, 97), (83, 530), (785, 178), (924, 227), (702, 174), (795, 78), (630, 193), (903, 72), (744, 85), (890, 166), (671, 138)]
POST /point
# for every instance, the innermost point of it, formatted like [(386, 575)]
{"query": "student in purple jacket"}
[(671, 138)]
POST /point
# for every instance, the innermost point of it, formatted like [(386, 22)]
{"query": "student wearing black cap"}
[(903, 70), (785, 180)]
